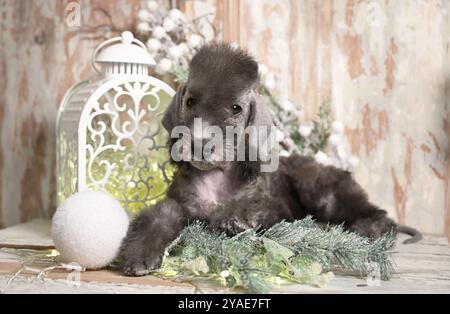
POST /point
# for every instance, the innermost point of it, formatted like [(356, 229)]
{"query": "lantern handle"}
[(126, 37)]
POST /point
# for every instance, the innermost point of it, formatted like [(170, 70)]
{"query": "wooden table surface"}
[(423, 267)]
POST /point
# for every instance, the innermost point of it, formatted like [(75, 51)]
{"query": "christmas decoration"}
[(88, 228), (297, 252)]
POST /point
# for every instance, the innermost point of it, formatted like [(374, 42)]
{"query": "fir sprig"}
[(299, 252), (181, 74)]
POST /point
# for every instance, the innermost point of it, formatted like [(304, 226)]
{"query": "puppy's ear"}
[(260, 114), (171, 115)]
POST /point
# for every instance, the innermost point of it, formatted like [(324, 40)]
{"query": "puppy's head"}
[(221, 92)]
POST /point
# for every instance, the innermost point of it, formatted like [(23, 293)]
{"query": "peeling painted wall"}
[(383, 65)]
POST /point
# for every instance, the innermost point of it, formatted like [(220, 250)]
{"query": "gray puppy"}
[(233, 196)]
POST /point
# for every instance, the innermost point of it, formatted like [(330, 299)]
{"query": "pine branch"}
[(181, 74), (298, 252)]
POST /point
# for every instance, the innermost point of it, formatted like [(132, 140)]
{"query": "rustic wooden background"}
[(384, 66)]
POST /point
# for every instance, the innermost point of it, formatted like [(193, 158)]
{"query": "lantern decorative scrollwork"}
[(109, 129)]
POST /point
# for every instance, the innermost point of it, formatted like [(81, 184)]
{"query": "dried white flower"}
[(334, 139), (337, 127), (175, 52), (263, 70), (288, 106), (159, 32), (152, 6), (144, 15), (353, 161), (342, 154), (194, 41), (234, 45), (183, 48), (224, 274), (143, 27), (153, 44), (305, 130), (177, 15), (269, 81), (280, 135), (169, 25), (164, 66), (322, 158)]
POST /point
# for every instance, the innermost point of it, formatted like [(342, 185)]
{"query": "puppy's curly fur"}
[(235, 196)]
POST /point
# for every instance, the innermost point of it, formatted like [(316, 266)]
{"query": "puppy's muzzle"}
[(200, 150)]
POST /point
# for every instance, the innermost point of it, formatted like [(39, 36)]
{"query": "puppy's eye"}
[(190, 102), (237, 109)]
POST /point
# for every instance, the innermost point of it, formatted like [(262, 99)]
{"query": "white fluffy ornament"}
[(153, 44), (322, 158), (159, 32), (337, 127), (144, 15), (177, 15), (175, 52), (169, 25), (194, 41), (143, 27), (183, 48), (152, 6), (164, 66), (353, 161), (88, 228), (305, 130), (334, 140)]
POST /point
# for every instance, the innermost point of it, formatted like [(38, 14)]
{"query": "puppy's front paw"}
[(140, 266), (232, 226)]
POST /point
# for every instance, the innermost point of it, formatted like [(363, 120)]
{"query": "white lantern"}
[(109, 132)]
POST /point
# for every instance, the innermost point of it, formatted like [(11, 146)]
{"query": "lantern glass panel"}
[(126, 150)]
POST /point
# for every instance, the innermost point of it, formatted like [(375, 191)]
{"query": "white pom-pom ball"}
[(280, 135), (288, 105), (88, 229)]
